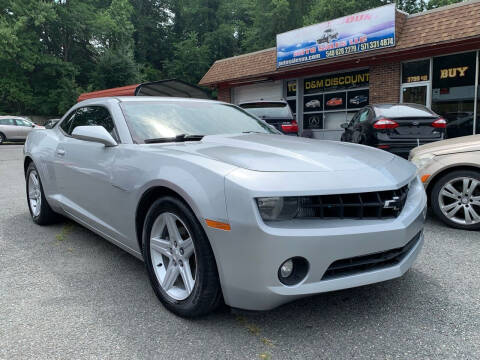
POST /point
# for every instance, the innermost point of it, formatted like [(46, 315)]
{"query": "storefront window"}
[(415, 71), (453, 91), (313, 121), (327, 99)]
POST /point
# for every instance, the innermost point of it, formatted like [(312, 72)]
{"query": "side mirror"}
[(94, 134), (344, 125)]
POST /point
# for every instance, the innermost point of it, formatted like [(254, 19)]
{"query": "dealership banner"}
[(368, 30)]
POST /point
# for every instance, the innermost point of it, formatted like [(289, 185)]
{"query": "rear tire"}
[(174, 242), (41, 212), (3, 138), (455, 199)]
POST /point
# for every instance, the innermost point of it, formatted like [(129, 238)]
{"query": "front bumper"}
[(248, 256)]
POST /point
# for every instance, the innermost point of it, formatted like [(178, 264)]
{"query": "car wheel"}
[(40, 211), (455, 199), (179, 260), (2, 138)]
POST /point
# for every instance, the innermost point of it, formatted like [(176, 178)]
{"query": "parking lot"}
[(67, 293)]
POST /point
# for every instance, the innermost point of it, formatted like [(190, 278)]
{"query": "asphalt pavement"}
[(66, 293)]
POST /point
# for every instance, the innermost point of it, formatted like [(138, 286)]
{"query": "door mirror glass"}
[(344, 125), (94, 134)]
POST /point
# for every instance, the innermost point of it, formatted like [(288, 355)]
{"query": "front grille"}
[(355, 265), (369, 205)]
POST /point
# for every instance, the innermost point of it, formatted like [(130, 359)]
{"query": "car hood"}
[(264, 152), (450, 146)]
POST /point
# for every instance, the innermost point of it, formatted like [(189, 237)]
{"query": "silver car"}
[(14, 128), (220, 206)]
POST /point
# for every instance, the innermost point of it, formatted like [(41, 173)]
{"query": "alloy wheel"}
[(34, 193), (173, 256), (459, 200)]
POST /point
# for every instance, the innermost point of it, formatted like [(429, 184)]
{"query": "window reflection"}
[(453, 92)]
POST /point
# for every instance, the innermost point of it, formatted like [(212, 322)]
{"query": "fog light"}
[(293, 271), (286, 269)]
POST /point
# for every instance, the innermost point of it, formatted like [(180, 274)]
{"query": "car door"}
[(9, 128), (347, 135), (23, 128), (85, 170), (358, 131)]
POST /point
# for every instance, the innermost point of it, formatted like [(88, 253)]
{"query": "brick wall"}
[(385, 83), (224, 94)]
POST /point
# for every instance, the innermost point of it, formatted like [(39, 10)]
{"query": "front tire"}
[(2, 139), (455, 199), (41, 212), (179, 260)]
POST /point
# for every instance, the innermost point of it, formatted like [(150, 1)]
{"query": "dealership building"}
[(328, 71)]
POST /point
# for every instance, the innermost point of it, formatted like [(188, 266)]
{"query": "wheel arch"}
[(445, 171), (148, 197), (26, 163)]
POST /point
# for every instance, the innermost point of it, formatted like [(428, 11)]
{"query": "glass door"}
[(416, 94)]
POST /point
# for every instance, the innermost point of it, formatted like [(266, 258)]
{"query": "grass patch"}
[(67, 229)]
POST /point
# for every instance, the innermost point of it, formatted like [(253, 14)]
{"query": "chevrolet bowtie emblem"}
[(394, 204)]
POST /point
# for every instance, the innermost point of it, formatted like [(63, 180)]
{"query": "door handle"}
[(60, 152)]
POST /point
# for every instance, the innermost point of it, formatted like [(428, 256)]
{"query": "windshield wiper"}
[(178, 138)]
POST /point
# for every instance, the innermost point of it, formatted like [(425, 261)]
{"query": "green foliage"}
[(52, 50), (115, 67)]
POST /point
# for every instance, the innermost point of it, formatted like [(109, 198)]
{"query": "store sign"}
[(337, 81), (369, 30), (342, 81), (454, 70)]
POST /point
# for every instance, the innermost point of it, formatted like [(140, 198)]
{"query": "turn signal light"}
[(290, 127), (385, 124), (425, 177), (218, 225), (440, 123)]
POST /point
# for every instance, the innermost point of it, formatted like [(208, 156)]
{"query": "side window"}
[(21, 122), (363, 116), (354, 119), (7, 122), (65, 125), (94, 115)]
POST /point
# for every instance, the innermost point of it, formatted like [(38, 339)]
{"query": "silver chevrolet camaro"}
[(221, 206)]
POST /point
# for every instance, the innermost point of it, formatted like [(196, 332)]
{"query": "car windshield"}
[(168, 119), (268, 110)]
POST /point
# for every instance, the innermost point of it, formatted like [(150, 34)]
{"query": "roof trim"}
[(442, 8), (247, 54)]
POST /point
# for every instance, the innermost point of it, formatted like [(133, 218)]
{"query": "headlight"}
[(420, 161), (277, 208)]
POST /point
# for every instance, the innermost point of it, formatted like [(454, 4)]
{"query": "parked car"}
[(220, 205), (50, 123), (275, 113), (359, 99), (397, 128), (335, 101), (14, 128), (313, 104), (450, 172)]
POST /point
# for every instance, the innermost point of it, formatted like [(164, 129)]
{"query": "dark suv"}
[(397, 128), (276, 113)]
